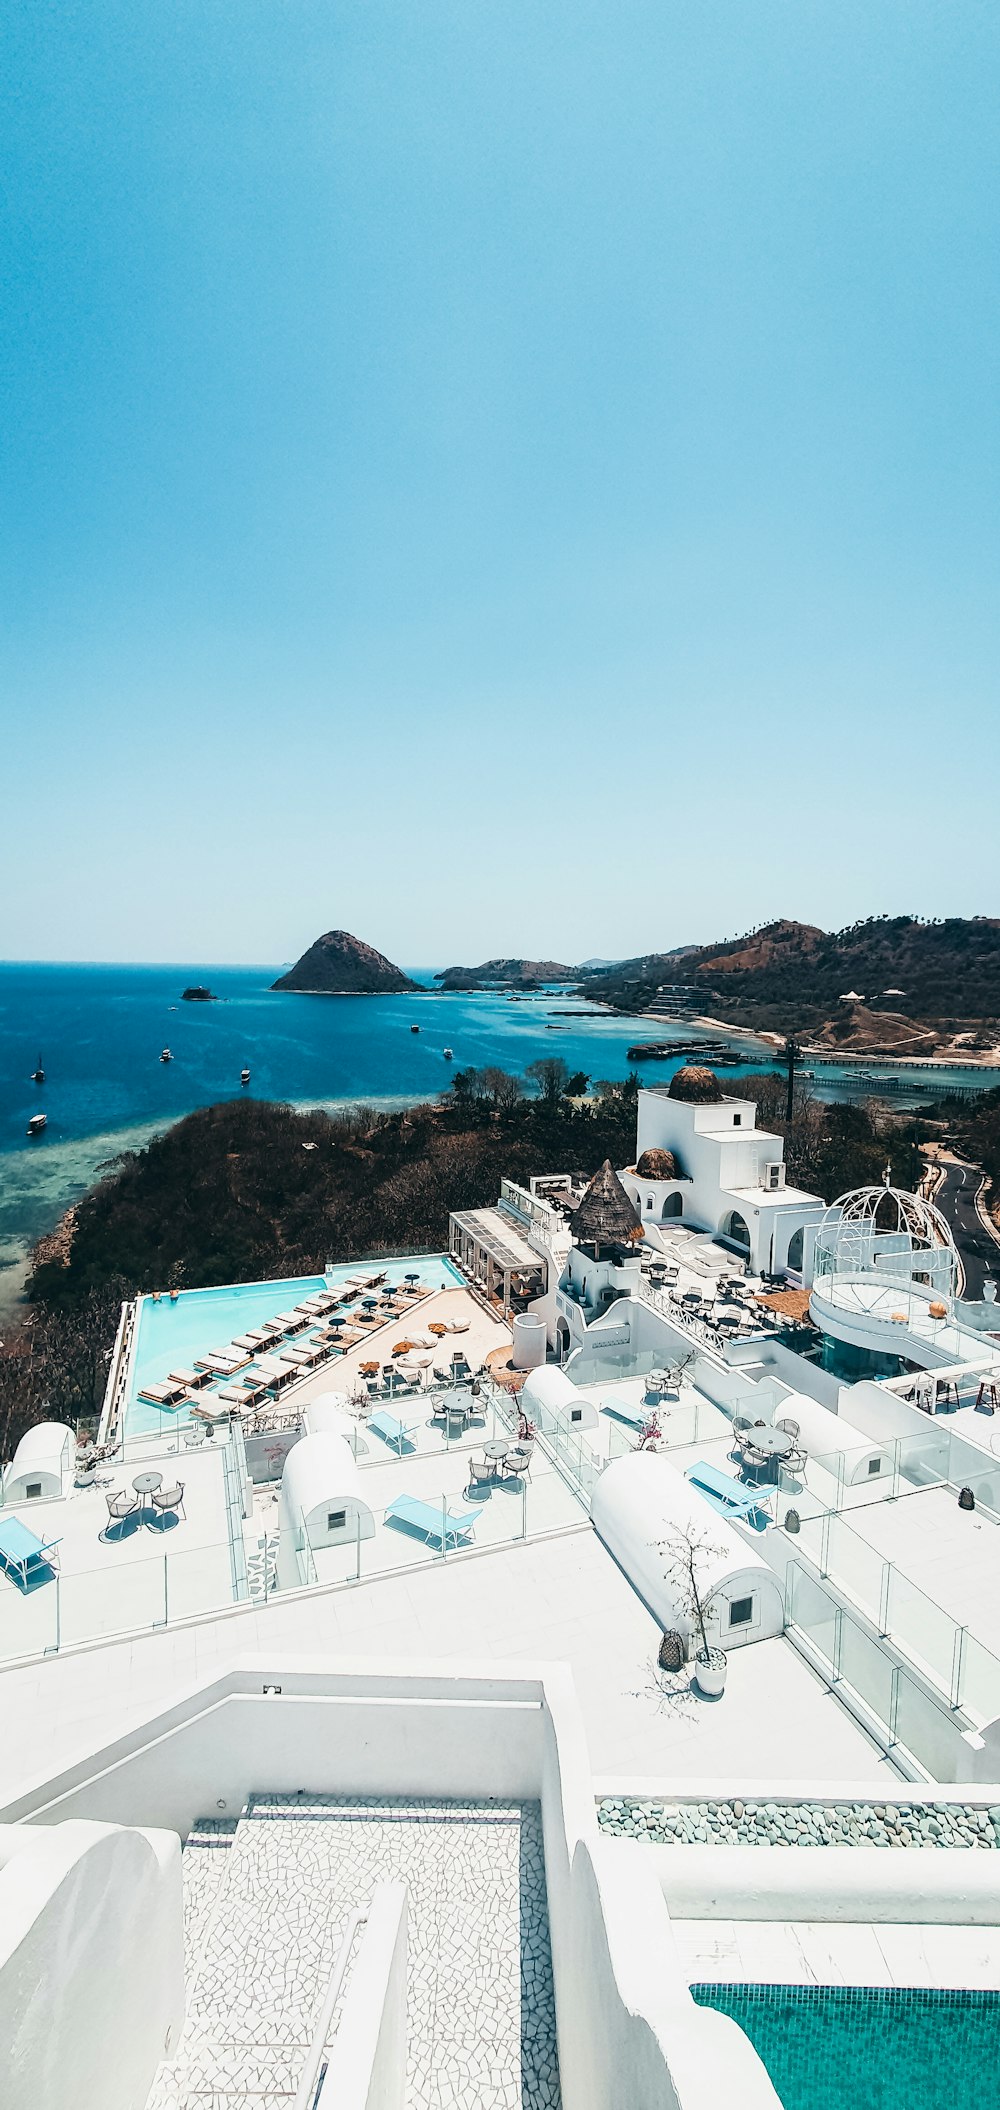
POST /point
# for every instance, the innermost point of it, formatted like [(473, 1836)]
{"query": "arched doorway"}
[(793, 1257), (562, 1339), (735, 1229), (673, 1206)]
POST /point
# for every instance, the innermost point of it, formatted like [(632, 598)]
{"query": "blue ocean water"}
[(100, 1030)]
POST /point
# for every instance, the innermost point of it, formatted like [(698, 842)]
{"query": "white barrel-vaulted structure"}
[(321, 1503), (551, 1399), (328, 1414), (42, 1464), (645, 1512)]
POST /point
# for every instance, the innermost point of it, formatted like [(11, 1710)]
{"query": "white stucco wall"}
[(629, 2032), (367, 2062), (91, 1966)]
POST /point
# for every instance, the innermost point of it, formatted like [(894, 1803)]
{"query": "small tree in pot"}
[(683, 1550)]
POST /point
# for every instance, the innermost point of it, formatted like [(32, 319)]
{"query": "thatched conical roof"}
[(605, 1216), (699, 1086), (658, 1165)]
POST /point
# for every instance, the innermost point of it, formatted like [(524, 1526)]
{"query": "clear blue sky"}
[(495, 477)]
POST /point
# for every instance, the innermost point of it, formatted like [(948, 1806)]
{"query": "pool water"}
[(872, 2048), (171, 1335)]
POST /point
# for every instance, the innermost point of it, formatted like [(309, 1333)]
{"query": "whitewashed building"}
[(700, 1157)]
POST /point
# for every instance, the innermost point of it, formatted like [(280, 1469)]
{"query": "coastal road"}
[(956, 1199)]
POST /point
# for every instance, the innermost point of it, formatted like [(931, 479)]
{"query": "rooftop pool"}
[(876, 2048), (171, 1334)]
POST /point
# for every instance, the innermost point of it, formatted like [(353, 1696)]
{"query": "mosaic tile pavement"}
[(265, 1903), (262, 1567)]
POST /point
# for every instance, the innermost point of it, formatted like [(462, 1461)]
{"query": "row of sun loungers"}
[(170, 1395)]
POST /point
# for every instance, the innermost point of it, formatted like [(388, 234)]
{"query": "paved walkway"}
[(265, 1905)]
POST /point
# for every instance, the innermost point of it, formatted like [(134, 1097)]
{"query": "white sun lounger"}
[(273, 1373)]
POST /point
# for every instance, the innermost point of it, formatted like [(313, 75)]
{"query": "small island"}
[(199, 995), (506, 974), (341, 965)]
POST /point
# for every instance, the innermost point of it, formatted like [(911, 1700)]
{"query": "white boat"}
[(244, 1076), (37, 1123), (165, 1055), (448, 1055)]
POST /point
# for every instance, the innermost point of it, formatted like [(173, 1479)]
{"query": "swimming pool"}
[(170, 1336), (876, 2048)]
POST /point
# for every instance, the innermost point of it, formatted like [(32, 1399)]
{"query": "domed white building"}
[(886, 1275)]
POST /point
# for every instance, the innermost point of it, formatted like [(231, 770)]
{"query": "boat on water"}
[(165, 1055), (244, 1076), (38, 1076), (414, 1029), (448, 1056), (37, 1123)]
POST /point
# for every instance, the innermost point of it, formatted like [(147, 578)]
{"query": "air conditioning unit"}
[(774, 1177)]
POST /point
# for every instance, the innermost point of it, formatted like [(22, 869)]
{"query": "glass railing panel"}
[(924, 1459), (927, 1729), (979, 1681), (117, 1598), (865, 1665), (812, 1608), (856, 1567), (921, 1628), (30, 1619)]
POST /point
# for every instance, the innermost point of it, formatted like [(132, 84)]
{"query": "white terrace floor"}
[(153, 1568), (557, 1599), (505, 1508)]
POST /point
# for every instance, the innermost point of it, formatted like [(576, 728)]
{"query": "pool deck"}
[(802, 1952)]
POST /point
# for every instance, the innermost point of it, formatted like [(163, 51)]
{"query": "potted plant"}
[(681, 1553), (525, 1427)]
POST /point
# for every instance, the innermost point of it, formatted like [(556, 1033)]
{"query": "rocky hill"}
[(340, 965), (506, 974), (792, 974)]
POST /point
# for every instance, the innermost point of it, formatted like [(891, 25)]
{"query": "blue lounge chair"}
[(391, 1431), (430, 1519), (728, 1496), (23, 1553)]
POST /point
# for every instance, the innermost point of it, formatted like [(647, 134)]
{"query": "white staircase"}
[(266, 1903)]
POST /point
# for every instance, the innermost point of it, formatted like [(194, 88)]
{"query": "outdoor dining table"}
[(497, 1450), (147, 1483), (770, 1443)]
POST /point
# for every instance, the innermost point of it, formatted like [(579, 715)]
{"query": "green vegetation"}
[(249, 1191), (832, 1147), (791, 975), (975, 1131)]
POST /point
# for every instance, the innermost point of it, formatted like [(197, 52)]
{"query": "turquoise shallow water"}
[(171, 1335), (872, 2048)]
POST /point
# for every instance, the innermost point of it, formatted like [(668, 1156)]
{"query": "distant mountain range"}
[(786, 976), (791, 975)]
